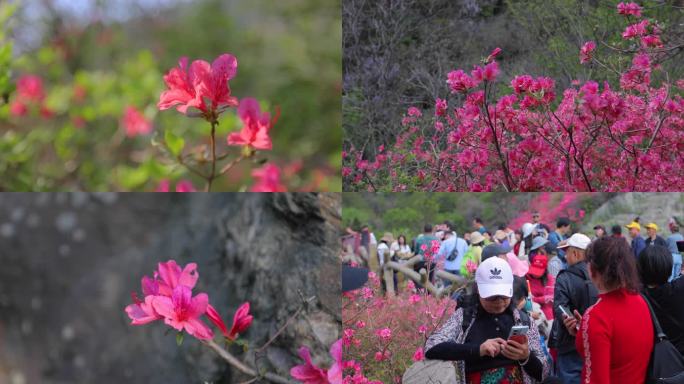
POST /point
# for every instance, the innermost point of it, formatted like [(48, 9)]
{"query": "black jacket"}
[(658, 241), (667, 301), (573, 290)]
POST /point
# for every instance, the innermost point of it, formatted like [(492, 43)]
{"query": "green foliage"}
[(288, 56), (6, 86)]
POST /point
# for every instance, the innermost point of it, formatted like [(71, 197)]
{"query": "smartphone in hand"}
[(566, 311), (519, 334)]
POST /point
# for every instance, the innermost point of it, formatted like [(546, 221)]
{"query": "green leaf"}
[(174, 143), (179, 338)]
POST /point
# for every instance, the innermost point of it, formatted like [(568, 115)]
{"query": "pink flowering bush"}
[(383, 336), (533, 137)]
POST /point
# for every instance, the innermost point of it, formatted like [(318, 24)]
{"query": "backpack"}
[(454, 252), (667, 364), (469, 256)]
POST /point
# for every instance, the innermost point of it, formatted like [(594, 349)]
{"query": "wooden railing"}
[(387, 271)]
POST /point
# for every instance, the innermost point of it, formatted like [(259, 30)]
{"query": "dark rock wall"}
[(68, 263)]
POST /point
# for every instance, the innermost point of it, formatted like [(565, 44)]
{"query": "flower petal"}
[(197, 328), (189, 276)]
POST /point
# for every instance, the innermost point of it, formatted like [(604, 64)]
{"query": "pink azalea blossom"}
[(241, 321), (385, 334), (181, 186), (335, 371), (200, 85), (168, 296), (142, 312), (256, 126), (30, 93), (185, 186), (30, 88), (586, 51), (360, 324), (418, 355), (308, 373), (459, 81), (181, 311), (135, 122), (414, 299), (268, 179), (493, 55), (18, 108), (629, 9), (638, 29)]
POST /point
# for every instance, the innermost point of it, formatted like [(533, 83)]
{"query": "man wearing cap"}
[(476, 336), (653, 238), (573, 291), (638, 243), (451, 250), (599, 231)]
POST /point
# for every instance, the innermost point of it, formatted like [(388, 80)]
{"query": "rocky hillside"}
[(68, 263), (650, 207)]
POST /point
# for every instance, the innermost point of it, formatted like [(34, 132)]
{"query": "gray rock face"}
[(68, 263), (430, 371)]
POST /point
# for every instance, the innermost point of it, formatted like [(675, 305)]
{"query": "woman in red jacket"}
[(541, 284), (615, 336)]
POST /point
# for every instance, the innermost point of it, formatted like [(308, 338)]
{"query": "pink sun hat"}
[(519, 267)]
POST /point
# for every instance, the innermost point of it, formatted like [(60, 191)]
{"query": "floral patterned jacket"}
[(452, 331)]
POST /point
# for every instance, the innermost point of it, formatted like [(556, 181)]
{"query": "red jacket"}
[(540, 293), (615, 339)]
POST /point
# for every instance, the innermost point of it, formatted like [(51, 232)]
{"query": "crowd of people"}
[(579, 304)]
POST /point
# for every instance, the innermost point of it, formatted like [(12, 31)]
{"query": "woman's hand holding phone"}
[(492, 347), (515, 350), (572, 323)]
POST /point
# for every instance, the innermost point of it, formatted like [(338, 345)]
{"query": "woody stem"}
[(240, 366), (210, 179)]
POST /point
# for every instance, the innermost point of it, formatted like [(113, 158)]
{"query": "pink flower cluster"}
[(168, 297), (308, 373), (586, 51), (629, 9), (205, 87), (200, 85), (135, 122), (594, 137), (30, 93), (181, 186)]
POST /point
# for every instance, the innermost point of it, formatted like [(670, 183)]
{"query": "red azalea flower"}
[(135, 122), (241, 321), (201, 85), (308, 373), (586, 51), (268, 179), (255, 126)]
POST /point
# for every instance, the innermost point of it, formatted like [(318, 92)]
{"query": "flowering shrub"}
[(592, 137), (202, 90), (383, 336)]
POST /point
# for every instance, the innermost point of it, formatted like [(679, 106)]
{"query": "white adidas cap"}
[(494, 278)]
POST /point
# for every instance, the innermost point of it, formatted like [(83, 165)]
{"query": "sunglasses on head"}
[(497, 297)]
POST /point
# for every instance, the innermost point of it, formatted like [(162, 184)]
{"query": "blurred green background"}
[(97, 57)]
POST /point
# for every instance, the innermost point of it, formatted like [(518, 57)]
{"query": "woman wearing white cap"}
[(477, 337)]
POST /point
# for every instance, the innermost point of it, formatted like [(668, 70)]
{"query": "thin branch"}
[(242, 367)]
